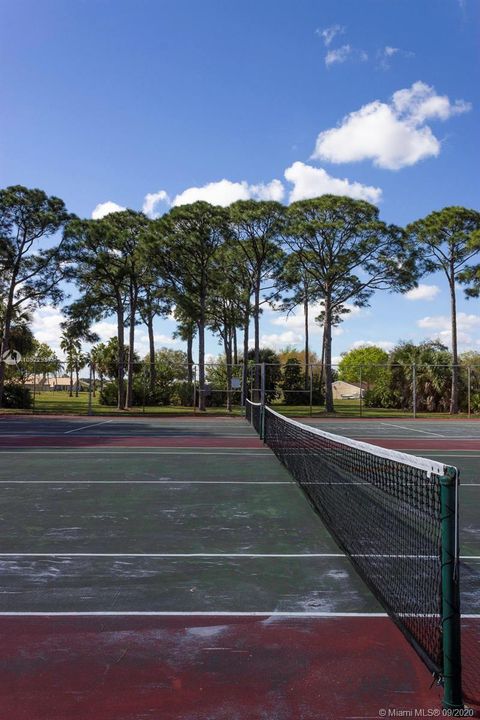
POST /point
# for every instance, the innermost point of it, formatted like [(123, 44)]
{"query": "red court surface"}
[(208, 668)]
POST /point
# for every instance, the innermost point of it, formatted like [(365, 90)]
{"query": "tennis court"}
[(172, 568)]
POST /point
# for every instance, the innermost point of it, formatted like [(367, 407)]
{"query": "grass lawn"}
[(59, 403)]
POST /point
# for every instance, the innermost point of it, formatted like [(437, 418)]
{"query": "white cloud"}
[(273, 190), (393, 135), (339, 55), (225, 192), (443, 322), (295, 321), (152, 201), (329, 33), (385, 55), (106, 208), (105, 330), (309, 182), (440, 327), (386, 345), (423, 292), (46, 327), (280, 340)]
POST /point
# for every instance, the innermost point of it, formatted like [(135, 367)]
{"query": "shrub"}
[(16, 396)]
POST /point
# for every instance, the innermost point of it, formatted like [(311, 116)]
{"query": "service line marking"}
[(227, 555), (84, 427), (402, 427)]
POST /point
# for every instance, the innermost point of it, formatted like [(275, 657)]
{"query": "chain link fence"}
[(56, 386)]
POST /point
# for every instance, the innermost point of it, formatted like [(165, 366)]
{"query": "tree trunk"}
[(77, 375), (22, 248), (256, 318), (453, 302), (327, 334), (6, 334), (235, 349), (70, 394), (201, 363), (227, 344), (94, 392), (151, 353), (246, 327), (121, 357), (3, 350), (307, 349), (131, 350), (190, 357)]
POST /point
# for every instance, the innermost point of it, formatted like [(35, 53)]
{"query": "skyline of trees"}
[(216, 267)]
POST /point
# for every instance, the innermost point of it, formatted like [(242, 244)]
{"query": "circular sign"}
[(11, 357)]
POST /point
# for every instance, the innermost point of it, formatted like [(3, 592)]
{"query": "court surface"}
[(170, 568)]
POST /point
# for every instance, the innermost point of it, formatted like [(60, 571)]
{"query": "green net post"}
[(452, 668)]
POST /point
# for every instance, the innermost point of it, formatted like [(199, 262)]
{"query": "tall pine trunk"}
[(307, 349), (227, 344), (151, 354), (327, 333), (453, 304), (235, 349), (6, 331), (131, 347), (201, 349), (190, 357), (256, 319), (121, 356), (246, 327)]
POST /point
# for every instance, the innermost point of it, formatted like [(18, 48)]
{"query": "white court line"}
[(201, 613), (209, 613), (402, 427), (254, 452), (150, 482), (104, 422), (229, 555)]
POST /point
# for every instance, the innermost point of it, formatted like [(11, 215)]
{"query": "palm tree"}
[(71, 346)]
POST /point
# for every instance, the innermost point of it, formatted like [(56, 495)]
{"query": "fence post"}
[(34, 385), (360, 394), (310, 371), (469, 390), (90, 378), (262, 384), (195, 391), (414, 390)]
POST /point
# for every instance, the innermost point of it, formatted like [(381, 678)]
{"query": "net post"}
[(452, 667)]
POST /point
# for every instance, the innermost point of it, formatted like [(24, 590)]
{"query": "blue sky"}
[(151, 103)]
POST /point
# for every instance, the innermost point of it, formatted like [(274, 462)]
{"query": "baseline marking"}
[(220, 613)]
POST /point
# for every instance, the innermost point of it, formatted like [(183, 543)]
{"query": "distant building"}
[(348, 391), (44, 384)]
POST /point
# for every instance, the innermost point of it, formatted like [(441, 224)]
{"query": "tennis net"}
[(386, 510)]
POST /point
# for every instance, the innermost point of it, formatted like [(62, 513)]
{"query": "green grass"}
[(60, 403)]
